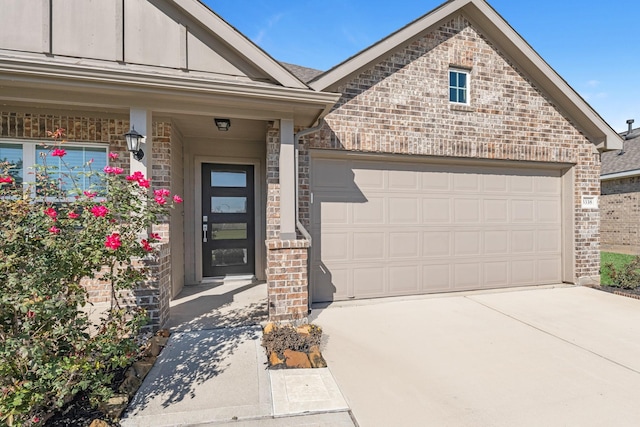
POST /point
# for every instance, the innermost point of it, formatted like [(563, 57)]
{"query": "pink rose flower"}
[(54, 230), (177, 199), (51, 213), (145, 245), (58, 152), (89, 194), (113, 155), (160, 200), (6, 179), (155, 236), (31, 315), (73, 215), (113, 241), (144, 183), (99, 211), (161, 192)]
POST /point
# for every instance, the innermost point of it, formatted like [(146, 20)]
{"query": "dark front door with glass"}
[(228, 223)]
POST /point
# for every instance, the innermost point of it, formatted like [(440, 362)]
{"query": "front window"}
[(70, 173), (459, 86)]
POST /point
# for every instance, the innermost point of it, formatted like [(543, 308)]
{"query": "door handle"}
[(205, 228)]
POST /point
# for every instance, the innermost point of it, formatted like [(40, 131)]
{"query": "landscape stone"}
[(315, 357), (274, 359), (304, 329), (269, 327), (115, 405), (296, 359), (99, 423), (143, 366)]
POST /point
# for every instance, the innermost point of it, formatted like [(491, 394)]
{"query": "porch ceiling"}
[(203, 127)]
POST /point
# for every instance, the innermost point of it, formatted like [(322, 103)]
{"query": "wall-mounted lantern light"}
[(133, 143)]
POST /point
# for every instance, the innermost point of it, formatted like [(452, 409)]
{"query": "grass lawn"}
[(618, 261)]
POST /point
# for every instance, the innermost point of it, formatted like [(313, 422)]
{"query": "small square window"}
[(459, 86)]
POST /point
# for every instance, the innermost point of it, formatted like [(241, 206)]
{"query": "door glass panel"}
[(236, 231), (228, 179), (229, 204), (227, 257)]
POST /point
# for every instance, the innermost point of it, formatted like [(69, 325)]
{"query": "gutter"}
[(296, 142)]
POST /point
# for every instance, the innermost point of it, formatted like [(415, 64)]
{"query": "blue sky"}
[(590, 43)]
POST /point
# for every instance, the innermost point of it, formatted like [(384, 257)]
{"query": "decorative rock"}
[(115, 405), (99, 423), (143, 366), (274, 359), (163, 333), (316, 359), (296, 359), (156, 344), (130, 385), (304, 329), (268, 328)]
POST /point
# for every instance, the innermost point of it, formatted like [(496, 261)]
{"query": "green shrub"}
[(48, 245), (626, 276)]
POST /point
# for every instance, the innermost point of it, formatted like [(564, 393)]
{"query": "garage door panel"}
[(496, 274), (467, 276), (405, 228), (496, 210), (436, 210), (404, 279), (436, 243), (436, 278), (404, 245), (523, 272), (368, 281), (335, 246), (496, 242), (466, 211), (368, 245), (436, 181), (467, 243), (369, 212), (403, 210)]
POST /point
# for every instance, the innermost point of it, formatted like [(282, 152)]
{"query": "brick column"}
[(287, 287), (287, 283)]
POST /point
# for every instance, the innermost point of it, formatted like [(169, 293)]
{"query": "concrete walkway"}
[(219, 376), (564, 356)]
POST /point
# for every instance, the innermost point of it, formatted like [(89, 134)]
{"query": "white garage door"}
[(387, 228)]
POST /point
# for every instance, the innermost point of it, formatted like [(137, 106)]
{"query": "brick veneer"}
[(286, 259), (153, 295), (401, 106), (620, 211)]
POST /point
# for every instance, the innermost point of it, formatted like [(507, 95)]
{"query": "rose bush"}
[(51, 239)]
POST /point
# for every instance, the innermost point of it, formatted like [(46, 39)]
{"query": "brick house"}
[(620, 196), (448, 156)]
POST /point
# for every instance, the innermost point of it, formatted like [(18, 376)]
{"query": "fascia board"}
[(238, 42), (13, 70), (618, 175)]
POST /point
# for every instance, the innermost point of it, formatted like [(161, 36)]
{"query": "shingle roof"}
[(303, 73), (627, 159)]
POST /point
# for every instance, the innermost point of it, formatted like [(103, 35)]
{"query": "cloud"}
[(271, 22), (593, 83)]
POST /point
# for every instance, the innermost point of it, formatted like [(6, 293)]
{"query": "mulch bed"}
[(630, 293)]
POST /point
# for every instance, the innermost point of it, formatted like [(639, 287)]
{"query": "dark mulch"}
[(631, 293), (79, 413)]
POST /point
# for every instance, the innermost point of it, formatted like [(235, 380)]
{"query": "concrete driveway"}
[(560, 356)]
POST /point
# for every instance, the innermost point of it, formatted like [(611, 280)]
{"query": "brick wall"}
[(155, 294), (401, 105), (620, 211), (286, 269)]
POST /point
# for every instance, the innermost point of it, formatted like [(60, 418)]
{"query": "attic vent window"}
[(459, 86)]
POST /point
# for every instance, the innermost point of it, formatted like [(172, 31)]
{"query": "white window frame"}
[(29, 161), (467, 88)]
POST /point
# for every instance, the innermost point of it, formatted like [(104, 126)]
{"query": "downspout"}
[(296, 141), (299, 226)]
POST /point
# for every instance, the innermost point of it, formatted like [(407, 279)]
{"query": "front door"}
[(228, 222)]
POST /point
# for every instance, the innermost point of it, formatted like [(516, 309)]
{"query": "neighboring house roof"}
[(305, 74), (625, 162), (494, 27)]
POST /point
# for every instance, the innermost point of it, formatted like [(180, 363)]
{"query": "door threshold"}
[(229, 278)]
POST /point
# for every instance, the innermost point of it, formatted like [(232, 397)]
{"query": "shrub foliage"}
[(51, 238)]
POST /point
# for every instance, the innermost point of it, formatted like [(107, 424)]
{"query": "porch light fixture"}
[(133, 143), (223, 124)]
